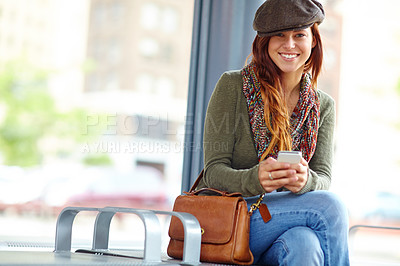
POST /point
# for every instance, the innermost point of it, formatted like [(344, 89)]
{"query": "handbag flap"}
[(216, 215)]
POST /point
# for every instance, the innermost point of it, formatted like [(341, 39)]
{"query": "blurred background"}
[(93, 97)]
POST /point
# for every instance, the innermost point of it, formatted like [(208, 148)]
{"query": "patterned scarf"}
[(303, 121)]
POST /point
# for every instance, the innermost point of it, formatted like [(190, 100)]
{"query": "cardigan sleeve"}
[(222, 124), (320, 165)]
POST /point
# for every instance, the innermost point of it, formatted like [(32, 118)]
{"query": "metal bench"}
[(99, 253), (379, 252)]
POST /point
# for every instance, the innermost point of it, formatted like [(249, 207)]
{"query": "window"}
[(159, 17), (149, 17), (149, 47), (106, 115), (169, 20)]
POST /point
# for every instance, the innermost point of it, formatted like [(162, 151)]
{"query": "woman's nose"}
[(289, 43)]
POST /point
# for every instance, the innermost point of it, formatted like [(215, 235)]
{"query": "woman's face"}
[(290, 50)]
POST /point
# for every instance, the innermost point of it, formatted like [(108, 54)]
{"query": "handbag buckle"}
[(256, 205)]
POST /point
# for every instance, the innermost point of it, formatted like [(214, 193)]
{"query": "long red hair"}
[(275, 109)]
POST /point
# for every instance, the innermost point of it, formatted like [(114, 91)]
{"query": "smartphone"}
[(292, 157)]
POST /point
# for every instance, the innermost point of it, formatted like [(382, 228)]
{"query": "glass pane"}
[(92, 109)]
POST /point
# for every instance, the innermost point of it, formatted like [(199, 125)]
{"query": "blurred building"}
[(138, 55), (138, 46)]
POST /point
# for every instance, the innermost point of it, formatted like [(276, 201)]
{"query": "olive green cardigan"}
[(230, 157)]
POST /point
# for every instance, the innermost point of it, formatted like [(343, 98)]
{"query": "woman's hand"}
[(293, 177), (302, 176)]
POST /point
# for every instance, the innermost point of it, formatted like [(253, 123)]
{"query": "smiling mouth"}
[(288, 56)]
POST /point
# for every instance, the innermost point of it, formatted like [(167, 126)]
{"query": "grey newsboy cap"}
[(284, 15)]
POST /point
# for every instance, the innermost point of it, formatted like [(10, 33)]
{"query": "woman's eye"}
[(299, 35), (279, 35)]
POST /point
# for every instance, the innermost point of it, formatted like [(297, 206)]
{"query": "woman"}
[(269, 106)]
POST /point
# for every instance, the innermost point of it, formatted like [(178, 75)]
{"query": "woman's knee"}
[(330, 206), (297, 246)]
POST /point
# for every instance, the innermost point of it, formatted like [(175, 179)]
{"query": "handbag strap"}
[(253, 207), (222, 193), (196, 183), (193, 190)]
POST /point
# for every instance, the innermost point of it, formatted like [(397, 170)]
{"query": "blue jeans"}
[(308, 229)]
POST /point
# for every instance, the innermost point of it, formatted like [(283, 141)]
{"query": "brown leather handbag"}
[(225, 226)]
